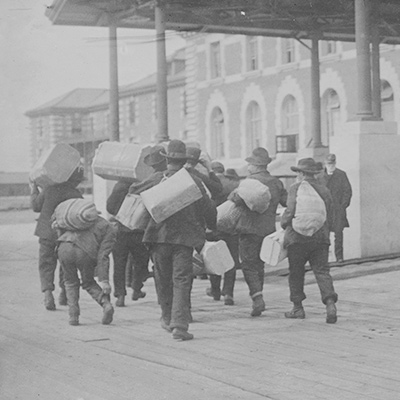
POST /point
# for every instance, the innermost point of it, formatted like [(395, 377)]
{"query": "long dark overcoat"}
[(340, 188)]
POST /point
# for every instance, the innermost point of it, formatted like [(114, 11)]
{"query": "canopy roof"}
[(330, 19)]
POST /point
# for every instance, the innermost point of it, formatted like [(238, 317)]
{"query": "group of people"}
[(170, 244)]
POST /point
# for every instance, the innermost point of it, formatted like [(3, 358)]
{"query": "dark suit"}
[(46, 202), (340, 188)]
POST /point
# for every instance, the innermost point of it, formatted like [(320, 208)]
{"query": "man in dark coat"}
[(45, 202), (255, 226), (314, 249), (338, 184), (172, 243), (229, 183), (130, 242)]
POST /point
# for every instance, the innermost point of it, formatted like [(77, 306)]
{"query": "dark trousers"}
[(74, 259), (129, 243), (252, 265), (232, 241), (339, 244), (317, 255), (48, 264), (173, 271)]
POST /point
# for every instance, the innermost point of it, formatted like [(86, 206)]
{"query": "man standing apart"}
[(314, 248), (256, 226), (172, 243), (337, 182)]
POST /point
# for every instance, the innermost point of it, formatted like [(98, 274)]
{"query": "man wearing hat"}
[(172, 243), (314, 248), (130, 242), (253, 226), (337, 182), (209, 178)]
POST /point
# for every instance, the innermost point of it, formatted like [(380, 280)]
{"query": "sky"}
[(40, 61)]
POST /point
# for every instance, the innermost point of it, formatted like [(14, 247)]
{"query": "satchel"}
[(133, 213)]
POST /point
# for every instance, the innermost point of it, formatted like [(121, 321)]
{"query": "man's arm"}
[(37, 198), (290, 211), (346, 191)]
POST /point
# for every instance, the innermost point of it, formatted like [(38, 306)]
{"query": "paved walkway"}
[(233, 356)]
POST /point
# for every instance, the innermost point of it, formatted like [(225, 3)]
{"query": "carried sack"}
[(133, 213), (310, 213), (228, 215), (255, 194), (272, 250), (75, 214), (171, 195)]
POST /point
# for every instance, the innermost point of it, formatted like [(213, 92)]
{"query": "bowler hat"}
[(231, 173), (330, 159), (217, 167), (193, 153), (154, 157), (176, 150), (259, 156), (307, 165)]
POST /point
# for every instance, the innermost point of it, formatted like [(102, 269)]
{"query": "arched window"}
[(287, 142), (387, 101), (330, 116), (217, 134), (253, 126)]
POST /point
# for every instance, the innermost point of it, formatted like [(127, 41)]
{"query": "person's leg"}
[(120, 256), (232, 242), (215, 290), (140, 265), (62, 298), (297, 256), (162, 258), (339, 245), (67, 256), (87, 269), (182, 282), (253, 270), (320, 267), (47, 267)]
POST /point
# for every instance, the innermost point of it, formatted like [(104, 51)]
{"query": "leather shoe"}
[(296, 313), (228, 300), (215, 295), (180, 334), (165, 326), (138, 294), (331, 316), (258, 306), (108, 312), (49, 300), (120, 301)]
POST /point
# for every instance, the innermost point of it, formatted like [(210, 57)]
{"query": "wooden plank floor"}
[(233, 356)]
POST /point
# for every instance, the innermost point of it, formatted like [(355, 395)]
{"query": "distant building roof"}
[(82, 98), (76, 99)]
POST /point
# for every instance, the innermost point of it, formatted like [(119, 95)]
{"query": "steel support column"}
[(162, 88), (362, 22), (114, 91), (376, 74), (315, 95)]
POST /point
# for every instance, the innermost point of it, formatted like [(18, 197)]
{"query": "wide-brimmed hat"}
[(259, 156), (176, 150), (330, 159), (307, 165), (193, 153), (217, 167), (231, 173), (154, 157)]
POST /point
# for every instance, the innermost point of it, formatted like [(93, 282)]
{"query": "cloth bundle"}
[(75, 214), (255, 194)]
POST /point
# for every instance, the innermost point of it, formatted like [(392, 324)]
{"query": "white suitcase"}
[(217, 258), (272, 251)]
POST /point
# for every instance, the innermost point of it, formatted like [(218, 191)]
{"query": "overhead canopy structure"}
[(329, 19)]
